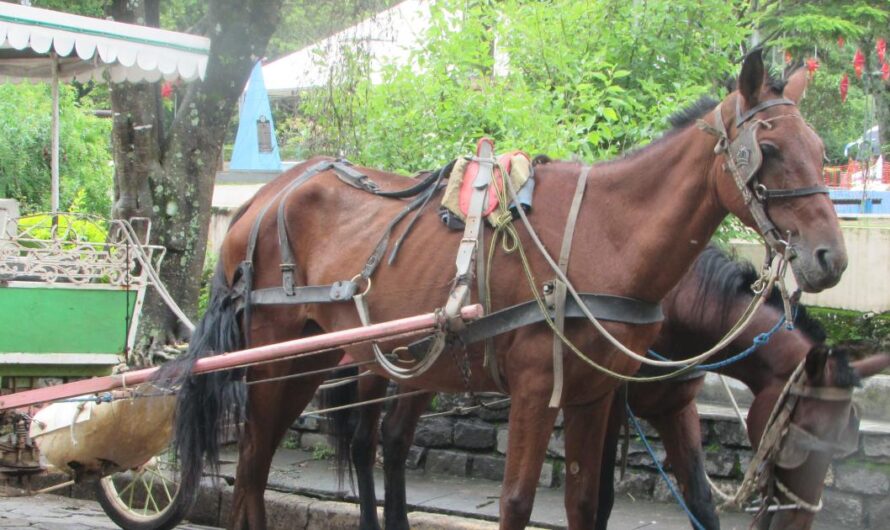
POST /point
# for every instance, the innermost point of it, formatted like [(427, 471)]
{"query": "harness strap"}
[(311, 294), (766, 194), (602, 306), (824, 393), (559, 292)]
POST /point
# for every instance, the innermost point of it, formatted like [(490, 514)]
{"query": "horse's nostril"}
[(823, 256)]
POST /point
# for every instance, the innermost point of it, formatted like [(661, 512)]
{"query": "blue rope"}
[(758, 341), (667, 480), (102, 398)]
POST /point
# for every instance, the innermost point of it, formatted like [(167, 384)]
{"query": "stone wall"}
[(474, 444)]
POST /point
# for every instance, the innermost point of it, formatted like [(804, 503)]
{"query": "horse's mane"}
[(685, 117), (717, 274)]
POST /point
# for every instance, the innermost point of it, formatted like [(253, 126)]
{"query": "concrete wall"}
[(865, 285), (857, 493)]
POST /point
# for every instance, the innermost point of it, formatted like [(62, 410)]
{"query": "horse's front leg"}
[(681, 434), (531, 423), (585, 433), (398, 432)]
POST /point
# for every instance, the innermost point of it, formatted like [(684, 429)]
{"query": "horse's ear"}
[(871, 365), (752, 77), (815, 363), (796, 86)]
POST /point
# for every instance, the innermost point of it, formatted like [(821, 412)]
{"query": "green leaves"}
[(586, 79), (85, 157)]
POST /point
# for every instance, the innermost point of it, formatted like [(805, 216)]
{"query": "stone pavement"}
[(52, 512), (303, 493), (471, 503)]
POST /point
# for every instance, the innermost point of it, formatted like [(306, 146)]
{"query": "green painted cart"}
[(72, 287), (71, 291), (69, 300)]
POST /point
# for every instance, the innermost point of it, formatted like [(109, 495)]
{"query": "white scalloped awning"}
[(88, 48)]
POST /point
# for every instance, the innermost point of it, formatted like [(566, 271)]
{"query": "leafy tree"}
[(568, 90), (805, 26), (85, 157)]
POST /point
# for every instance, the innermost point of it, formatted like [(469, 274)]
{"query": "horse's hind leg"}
[(398, 432), (271, 408), (681, 434), (364, 448), (585, 429)]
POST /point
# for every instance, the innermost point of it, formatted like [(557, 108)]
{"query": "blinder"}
[(799, 443)]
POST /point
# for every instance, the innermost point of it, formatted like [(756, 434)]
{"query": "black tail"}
[(207, 404), (341, 423)]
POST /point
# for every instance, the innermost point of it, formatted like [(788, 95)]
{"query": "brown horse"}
[(698, 312), (643, 220)]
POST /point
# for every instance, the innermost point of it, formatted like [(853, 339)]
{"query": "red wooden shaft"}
[(225, 361)]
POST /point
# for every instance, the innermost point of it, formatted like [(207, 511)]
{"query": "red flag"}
[(881, 48), (885, 71), (845, 84), (166, 90), (840, 41), (812, 65), (858, 63)]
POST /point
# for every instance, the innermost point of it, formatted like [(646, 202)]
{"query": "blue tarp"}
[(256, 115)]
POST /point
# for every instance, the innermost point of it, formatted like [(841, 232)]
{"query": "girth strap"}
[(602, 306), (559, 288)]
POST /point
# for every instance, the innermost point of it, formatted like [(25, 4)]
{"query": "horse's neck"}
[(654, 212)]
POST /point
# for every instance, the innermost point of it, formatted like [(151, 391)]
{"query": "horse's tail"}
[(341, 423), (208, 404)]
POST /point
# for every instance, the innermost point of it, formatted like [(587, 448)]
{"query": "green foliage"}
[(322, 452), (85, 157), (845, 326), (79, 229), (570, 89), (210, 262)]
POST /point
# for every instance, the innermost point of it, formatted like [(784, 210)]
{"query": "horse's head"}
[(771, 176), (823, 425)]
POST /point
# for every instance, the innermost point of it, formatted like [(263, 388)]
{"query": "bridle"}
[(785, 445), (743, 159)]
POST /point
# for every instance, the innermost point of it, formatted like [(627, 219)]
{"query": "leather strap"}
[(766, 194), (602, 306), (560, 287), (311, 294), (742, 118)]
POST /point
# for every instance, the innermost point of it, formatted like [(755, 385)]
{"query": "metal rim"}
[(148, 493)]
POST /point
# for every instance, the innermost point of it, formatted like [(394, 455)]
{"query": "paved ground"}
[(52, 512), (301, 489)]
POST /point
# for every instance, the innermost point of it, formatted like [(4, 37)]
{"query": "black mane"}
[(720, 275), (685, 117)]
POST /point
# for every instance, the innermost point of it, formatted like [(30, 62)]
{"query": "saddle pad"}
[(460, 183)]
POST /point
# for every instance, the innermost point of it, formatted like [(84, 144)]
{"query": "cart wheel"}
[(148, 498)]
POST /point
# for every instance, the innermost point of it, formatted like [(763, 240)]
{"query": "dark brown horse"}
[(698, 312), (643, 220)]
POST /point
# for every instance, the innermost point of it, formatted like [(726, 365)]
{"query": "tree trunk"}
[(179, 171)]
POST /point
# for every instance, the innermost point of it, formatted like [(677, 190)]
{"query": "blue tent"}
[(256, 148)]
